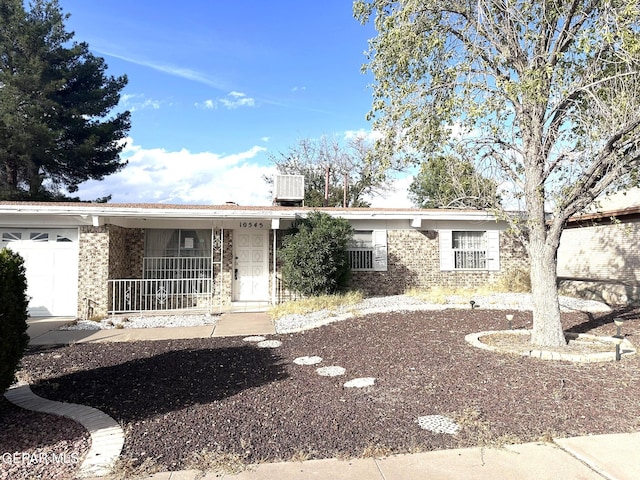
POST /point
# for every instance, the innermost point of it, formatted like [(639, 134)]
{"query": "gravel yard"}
[(405, 372)]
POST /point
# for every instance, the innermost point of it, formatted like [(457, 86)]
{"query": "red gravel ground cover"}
[(176, 399)]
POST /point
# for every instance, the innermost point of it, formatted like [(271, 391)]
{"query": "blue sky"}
[(215, 87)]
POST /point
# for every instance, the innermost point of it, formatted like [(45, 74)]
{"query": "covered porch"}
[(180, 264)]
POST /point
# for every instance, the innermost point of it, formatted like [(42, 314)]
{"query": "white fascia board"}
[(91, 210)]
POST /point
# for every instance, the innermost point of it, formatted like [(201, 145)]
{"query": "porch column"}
[(275, 225)]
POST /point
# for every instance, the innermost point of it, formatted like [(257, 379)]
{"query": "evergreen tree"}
[(56, 130)]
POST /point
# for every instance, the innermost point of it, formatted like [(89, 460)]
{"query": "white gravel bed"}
[(144, 321), (500, 301), (300, 322)]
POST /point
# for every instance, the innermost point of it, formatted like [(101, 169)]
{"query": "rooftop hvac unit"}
[(288, 189)]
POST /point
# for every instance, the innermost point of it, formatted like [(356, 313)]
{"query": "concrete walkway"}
[(44, 331), (610, 457)]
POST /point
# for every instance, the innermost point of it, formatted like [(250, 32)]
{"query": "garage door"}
[(51, 264)]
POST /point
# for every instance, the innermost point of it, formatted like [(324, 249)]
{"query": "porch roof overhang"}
[(130, 214)]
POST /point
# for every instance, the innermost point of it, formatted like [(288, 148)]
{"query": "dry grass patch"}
[(441, 295), (216, 461), (126, 468), (476, 431), (314, 304), (376, 451)]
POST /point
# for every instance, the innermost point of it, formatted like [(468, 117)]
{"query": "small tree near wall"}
[(314, 255), (13, 315)]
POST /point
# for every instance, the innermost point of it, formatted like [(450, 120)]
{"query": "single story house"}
[(91, 260), (598, 257)]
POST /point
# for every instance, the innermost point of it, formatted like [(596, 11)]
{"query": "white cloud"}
[(237, 99), (174, 70), (396, 196), (369, 135), (232, 101), (133, 102), (207, 105), (159, 176)]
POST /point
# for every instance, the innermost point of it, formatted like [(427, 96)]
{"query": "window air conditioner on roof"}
[(288, 189)]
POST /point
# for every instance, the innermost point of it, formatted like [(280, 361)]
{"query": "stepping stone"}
[(269, 344), (254, 338), (438, 424), (307, 360), (332, 371), (360, 382)]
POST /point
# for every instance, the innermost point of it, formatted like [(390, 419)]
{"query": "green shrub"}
[(13, 315), (314, 255)]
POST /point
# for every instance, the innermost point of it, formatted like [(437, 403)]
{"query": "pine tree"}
[(56, 127)]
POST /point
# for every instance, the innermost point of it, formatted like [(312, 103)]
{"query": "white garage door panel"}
[(51, 264)]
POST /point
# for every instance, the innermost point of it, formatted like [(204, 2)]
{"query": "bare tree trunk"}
[(547, 323), (542, 248)]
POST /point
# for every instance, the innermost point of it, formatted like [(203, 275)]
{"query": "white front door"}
[(251, 267)]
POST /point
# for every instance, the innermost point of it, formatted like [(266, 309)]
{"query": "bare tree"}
[(352, 165), (545, 94)]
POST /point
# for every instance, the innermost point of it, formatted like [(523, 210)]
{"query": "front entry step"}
[(248, 307), (242, 324)]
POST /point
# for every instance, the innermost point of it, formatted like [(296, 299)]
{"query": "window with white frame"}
[(177, 253), (368, 250), (469, 250)]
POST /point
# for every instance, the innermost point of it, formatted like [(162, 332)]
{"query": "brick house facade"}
[(225, 254)]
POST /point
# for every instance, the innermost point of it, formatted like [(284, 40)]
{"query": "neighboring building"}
[(598, 256), (94, 259)]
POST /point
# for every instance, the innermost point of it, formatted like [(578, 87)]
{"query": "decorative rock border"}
[(107, 437), (626, 347)]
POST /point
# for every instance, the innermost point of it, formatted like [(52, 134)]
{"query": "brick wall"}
[(414, 262), (106, 252), (93, 272)]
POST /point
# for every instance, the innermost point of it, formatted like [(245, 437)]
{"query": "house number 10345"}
[(251, 225)]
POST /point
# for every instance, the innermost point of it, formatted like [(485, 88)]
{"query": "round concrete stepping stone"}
[(307, 360), (438, 424), (360, 382), (269, 344), (332, 371), (254, 338)]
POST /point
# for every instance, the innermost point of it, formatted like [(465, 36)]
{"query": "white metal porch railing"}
[(139, 295)]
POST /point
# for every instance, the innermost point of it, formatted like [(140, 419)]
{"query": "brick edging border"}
[(107, 437)]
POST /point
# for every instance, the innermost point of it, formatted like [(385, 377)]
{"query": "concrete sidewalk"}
[(611, 457), (44, 331)]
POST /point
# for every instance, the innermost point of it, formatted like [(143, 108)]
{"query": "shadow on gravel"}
[(167, 381), (594, 321)]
